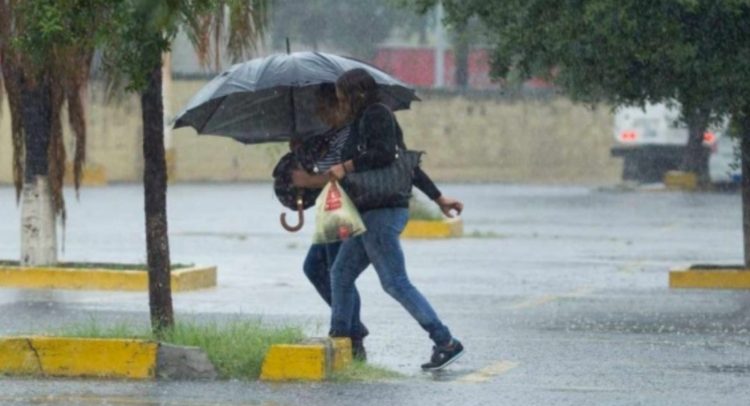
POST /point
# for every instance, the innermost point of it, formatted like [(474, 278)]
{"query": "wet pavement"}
[(558, 293)]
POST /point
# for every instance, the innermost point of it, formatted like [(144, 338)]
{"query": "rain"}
[(413, 202)]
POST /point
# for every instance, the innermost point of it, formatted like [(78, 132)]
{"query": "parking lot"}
[(559, 294)]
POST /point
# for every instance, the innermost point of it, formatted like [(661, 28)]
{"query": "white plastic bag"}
[(336, 217)]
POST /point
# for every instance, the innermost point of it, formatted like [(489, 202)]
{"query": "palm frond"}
[(56, 149), (242, 21), (218, 28), (247, 22), (11, 73), (62, 64)]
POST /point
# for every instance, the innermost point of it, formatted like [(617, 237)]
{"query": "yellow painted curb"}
[(313, 360), (193, 278), (448, 228), (710, 278), (78, 357), (678, 180), (183, 279), (92, 175), (341, 353)]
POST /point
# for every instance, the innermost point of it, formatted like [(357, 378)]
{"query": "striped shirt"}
[(333, 155)]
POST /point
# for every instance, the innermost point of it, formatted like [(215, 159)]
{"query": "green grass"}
[(236, 348), (359, 371), (105, 265), (419, 210)]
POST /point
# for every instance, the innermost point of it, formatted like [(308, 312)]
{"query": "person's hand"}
[(337, 172), (448, 204), (300, 178)]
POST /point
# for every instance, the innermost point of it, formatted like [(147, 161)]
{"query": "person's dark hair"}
[(327, 104), (359, 88), (325, 96)]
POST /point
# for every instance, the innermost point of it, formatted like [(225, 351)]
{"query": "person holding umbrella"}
[(374, 127), (268, 100), (320, 257)]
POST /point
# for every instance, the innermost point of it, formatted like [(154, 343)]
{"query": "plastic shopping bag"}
[(336, 217)]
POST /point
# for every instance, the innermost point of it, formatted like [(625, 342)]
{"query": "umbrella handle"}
[(301, 217)]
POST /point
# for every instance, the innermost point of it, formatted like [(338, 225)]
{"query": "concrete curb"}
[(678, 180), (448, 228), (78, 357), (184, 279), (710, 278), (312, 360), (102, 358)]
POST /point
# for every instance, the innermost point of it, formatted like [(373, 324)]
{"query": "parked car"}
[(652, 141), (723, 165)]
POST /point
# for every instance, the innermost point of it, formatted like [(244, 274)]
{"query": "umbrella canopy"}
[(273, 98)]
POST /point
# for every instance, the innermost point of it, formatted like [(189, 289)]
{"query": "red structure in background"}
[(416, 66)]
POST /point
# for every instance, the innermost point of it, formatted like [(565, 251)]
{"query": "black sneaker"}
[(358, 350), (444, 356)]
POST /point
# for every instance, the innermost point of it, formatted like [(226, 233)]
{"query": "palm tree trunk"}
[(695, 159), (155, 190), (38, 234)]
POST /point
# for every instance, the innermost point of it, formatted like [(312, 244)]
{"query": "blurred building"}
[(416, 66)]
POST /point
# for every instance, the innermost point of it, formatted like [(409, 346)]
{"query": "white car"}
[(652, 141), (724, 164)]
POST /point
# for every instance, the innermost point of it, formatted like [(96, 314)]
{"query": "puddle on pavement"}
[(739, 369)]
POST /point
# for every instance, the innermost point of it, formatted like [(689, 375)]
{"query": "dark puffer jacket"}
[(372, 143)]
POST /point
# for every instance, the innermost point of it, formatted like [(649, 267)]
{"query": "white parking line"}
[(538, 301), (487, 373)]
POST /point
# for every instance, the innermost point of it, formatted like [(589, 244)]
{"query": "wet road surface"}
[(558, 293)]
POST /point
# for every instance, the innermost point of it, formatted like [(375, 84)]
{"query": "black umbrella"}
[(273, 98)]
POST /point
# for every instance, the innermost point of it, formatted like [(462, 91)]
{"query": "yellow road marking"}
[(487, 373), (538, 301)]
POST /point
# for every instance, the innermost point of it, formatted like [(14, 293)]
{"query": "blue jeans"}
[(317, 268), (381, 246)]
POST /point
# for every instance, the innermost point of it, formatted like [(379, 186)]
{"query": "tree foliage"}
[(696, 52), (46, 48), (628, 52), (631, 52), (140, 32)]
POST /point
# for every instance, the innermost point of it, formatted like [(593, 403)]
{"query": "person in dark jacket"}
[(320, 257), (372, 144)]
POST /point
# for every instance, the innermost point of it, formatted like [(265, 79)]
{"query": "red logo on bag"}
[(333, 199), (344, 232)]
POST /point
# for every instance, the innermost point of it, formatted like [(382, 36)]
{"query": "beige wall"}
[(468, 138), (6, 151)]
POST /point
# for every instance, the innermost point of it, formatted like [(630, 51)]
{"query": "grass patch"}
[(96, 265), (419, 210), (236, 348), (359, 371)]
